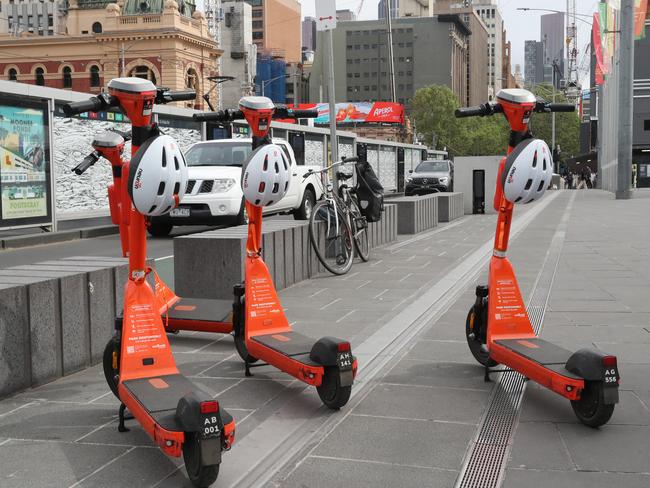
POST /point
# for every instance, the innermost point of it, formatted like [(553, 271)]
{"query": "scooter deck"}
[(292, 344), (545, 353), (200, 310), (159, 396)]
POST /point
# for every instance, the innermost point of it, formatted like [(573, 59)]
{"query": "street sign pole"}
[(326, 22), (625, 91)]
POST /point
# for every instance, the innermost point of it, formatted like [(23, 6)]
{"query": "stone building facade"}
[(164, 41)]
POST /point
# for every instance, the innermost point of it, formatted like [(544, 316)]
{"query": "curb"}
[(18, 242)]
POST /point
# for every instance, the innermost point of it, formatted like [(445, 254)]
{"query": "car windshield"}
[(425, 166), (218, 153)]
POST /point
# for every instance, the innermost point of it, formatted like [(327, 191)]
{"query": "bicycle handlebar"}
[(352, 159), (87, 162)]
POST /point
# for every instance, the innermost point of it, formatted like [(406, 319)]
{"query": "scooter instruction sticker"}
[(144, 334)]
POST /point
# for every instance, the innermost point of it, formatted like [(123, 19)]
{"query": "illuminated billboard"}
[(359, 112)]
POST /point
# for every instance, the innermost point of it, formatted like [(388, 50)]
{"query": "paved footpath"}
[(419, 399)]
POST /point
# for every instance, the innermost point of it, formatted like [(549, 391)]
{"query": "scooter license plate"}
[(344, 361), (611, 376), (180, 212)]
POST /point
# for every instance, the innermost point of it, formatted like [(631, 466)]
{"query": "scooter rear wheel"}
[(590, 408), (476, 346), (331, 393), (200, 475), (110, 373)]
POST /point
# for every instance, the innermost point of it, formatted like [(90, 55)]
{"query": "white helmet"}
[(157, 176), (265, 176), (527, 172)]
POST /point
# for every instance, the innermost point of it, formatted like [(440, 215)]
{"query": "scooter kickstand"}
[(121, 427), (248, 370), (486, 377)]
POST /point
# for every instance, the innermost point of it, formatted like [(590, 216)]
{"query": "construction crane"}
[(572, 86), (358, 11)]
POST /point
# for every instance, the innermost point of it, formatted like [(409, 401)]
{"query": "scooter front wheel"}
[(590, 408), (331, 393), (199, 474), (473, 335), (111, 363)]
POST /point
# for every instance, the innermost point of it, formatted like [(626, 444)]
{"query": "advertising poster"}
[(359, 112), (24, 163)]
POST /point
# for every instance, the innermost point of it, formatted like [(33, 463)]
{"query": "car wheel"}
[(159, 230), (242, 216), (306, 206)]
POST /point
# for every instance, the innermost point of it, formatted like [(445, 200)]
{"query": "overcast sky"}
[(520, 26)]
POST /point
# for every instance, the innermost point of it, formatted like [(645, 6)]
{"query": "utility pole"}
[(391, 63), (625, 100), (123, 70), (553, 114)]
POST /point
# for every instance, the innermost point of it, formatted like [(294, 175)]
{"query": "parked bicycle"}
[(336, 226)]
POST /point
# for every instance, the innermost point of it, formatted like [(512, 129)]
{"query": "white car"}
[(214, 195)]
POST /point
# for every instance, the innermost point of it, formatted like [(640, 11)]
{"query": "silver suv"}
[(430, 177)]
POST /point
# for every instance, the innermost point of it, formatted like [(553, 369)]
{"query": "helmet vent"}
[(277, 168), (164, 157), (153, 207), (286, 186), (266, 163), (261, 187), (535, 160), (541, 185), (270, 202), (257, 202), (518, 199), (161, 188), (167, 209), (276, 187), (544, 164), (528, 184), (177, 164), (177, 187)]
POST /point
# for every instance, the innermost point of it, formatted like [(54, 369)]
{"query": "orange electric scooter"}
[(498, 328), (261, 329), (180, 313), (176, 414)]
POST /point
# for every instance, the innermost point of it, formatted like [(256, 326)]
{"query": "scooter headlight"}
[(222, 185)]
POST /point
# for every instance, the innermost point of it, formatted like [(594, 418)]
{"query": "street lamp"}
[(266, 82), (527, 9)]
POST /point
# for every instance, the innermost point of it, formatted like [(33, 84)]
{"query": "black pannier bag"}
[(370, 193)]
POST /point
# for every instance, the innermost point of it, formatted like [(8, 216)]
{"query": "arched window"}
[(143, 72), (13, 74), (97, 28), (94, 76), (40, 76), (67, 77), (191, 80)]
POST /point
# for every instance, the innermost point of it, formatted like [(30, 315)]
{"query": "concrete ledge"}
[(450, 206), (208, 264), (55, 318), (42, 238), (416, 213)]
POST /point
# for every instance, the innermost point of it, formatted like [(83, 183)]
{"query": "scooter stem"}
[(254, 241)]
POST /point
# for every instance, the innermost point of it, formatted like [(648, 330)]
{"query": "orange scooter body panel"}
[(263, 310), (507, 316), (143, 336)]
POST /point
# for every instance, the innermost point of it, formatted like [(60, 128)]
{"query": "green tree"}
[(433, 107)]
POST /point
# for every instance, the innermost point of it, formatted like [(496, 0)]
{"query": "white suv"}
[(214, 196)]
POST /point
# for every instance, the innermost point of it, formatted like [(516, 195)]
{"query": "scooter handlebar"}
[(219, 116), (479, 110), (561, 107), (93, 104), (87, 162), (290, 113), (175, 96)]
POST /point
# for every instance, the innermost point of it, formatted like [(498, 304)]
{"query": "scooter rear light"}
[(210, 407), (344, 346), (609, 361)]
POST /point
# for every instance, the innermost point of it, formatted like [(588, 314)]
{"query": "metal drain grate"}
[(485, 462)]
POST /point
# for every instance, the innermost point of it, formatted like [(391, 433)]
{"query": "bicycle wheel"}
[(331, 237), (359, 230)]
